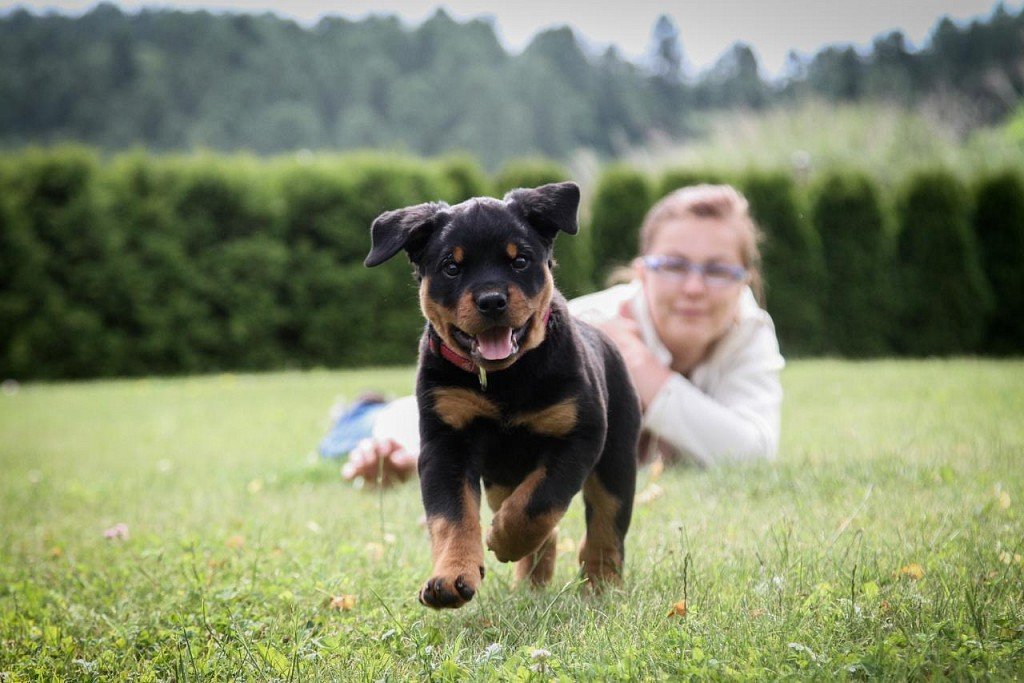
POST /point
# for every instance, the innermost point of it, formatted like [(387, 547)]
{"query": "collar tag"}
[(483, 378)]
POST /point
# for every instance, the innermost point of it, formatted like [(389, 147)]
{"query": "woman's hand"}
[(379, 461), (648, 375)]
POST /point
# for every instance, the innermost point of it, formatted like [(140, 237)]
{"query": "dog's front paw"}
[(452, 590)]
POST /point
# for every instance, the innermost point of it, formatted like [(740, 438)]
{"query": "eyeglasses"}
[(712, 274)]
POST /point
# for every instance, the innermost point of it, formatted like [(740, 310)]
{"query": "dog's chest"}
[(507, 456), (507, 440), (460, 408)]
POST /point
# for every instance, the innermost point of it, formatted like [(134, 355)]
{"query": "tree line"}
[(137, 264), (174, 80)]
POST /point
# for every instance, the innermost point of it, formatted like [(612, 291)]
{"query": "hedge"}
[(64, 275), (858, 306), (161, 265), (677, 178), (794, 271), (622, 197), (999, 224), (945, 300), (191, 265)]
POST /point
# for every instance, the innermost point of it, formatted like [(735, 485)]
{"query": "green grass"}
[(239, 538)]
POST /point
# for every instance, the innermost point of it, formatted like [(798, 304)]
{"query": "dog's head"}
[(484, 266)]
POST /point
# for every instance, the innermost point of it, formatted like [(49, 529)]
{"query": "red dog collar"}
[(463, 363), (452, 357)]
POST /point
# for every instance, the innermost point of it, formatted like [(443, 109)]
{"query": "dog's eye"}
[(520, 263), (451, 268)]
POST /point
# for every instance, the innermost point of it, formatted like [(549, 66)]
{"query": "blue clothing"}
[(351, 427)]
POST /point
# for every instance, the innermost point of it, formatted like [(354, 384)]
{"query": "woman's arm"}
[(738, 421)]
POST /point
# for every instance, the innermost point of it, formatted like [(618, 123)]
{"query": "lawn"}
[(183, 529)]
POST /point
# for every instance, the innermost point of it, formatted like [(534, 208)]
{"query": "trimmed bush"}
[(794, 274), (999, 226), (147, 265), (466, 178), (340, 312), (676, 178), (22, 286), (528, 173), (166, 322), (244, 282), (946, 300), (621, 199), (859, 296), (143, 265), (68, 278)]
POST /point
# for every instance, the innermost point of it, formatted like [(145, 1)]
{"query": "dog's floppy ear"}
[(548, 208), (406, 228)]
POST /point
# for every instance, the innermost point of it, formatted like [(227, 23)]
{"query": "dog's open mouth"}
[(493, 344)]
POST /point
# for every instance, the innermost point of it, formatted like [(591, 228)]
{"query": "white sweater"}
[(729, 410)]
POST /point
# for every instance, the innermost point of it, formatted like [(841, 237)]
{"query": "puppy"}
[(512, 391)]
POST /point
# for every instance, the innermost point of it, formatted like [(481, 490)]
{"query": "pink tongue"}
[(495, 343)]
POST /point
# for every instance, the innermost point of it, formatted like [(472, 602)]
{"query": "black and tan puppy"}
[(512, 392)]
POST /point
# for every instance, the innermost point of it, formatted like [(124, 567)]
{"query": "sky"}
[(708, 28)]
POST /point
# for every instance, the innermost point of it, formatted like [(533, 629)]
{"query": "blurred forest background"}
[(191, 192), (173, 80)]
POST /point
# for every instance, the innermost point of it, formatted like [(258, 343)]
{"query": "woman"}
[(700, 350)]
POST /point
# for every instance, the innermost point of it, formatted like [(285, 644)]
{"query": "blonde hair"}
[(723, 202)]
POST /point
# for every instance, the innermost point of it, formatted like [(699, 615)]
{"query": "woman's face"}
[(690, 314)]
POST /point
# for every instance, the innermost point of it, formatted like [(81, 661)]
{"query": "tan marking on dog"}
[(555, 420), (437, 315), (539, 566), (600, 550), (454, 541), (520, 308), (512, 250), (539, 305), (514, 534), (458, 254), (458, 407), (496, 495), (467, 315), (456, 547), (440, 318)]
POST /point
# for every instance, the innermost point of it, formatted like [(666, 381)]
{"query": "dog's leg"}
[(608, 491), (538, 566), (603, 547), (452, 505), (526, 518)]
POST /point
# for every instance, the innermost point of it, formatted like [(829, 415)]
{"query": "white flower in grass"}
[(539, 654), (490, 653)]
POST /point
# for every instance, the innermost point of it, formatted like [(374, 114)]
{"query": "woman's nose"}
[(693, 282)]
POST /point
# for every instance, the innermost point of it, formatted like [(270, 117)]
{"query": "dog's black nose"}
[(492, 304)]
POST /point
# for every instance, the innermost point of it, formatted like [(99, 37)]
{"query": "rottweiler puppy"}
[(512, 391)]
